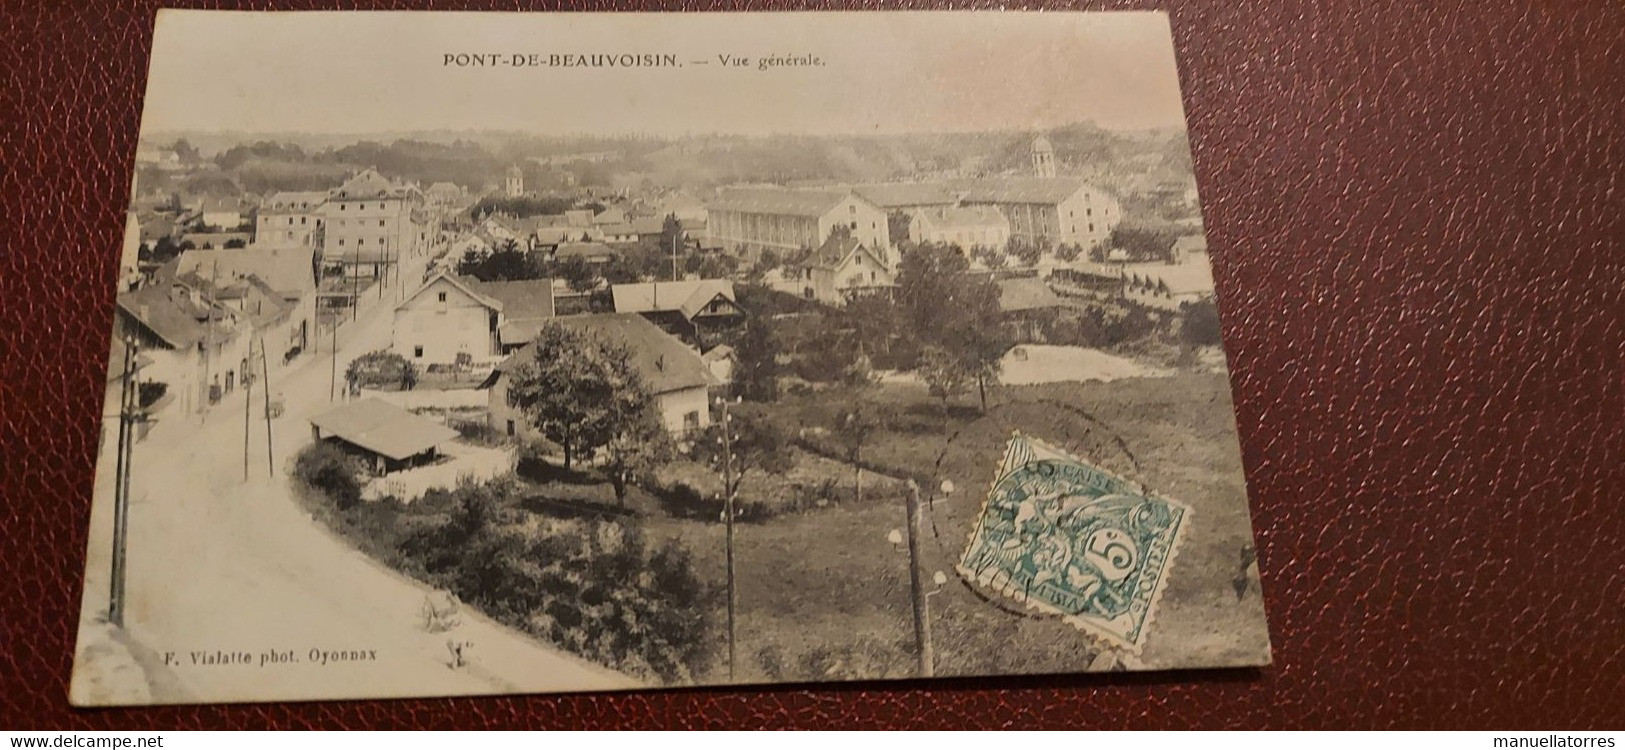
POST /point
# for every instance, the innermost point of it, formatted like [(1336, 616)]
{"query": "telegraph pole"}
[(922, 614), (270, 454), (728, 490), (248, 405), (129, 400)]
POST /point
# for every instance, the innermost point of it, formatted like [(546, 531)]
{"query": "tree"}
[(578, 273), (1028, 253), (758, 445), (941, 373), (756, 374), (1068, 252), (382, 369), (1200, 326), (854, 426), (581, 392), (1142, 244), (506, 263), (637, 447), (955, 313)]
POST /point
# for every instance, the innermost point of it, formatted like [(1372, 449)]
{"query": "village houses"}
[(676, 376), (452, 317), (843, 268), (686, 308)]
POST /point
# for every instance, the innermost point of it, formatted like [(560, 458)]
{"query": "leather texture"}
[(1415, 214)]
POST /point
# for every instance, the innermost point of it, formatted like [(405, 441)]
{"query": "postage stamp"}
[(1068, 538)]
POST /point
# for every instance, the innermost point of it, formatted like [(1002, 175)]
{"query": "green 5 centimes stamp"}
[(1068, 538)]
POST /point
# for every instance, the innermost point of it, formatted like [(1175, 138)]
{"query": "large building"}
[(965, 226), (370, 224), (1053, 210), (749, 220)]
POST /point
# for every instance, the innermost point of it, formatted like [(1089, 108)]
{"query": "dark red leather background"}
[(1415, 212)]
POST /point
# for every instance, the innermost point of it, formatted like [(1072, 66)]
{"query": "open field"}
[(824, 595)]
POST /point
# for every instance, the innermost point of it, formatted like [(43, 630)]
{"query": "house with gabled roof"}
[(843, 268), (688, 308), (198, 346), (445, 318), (966, 227)]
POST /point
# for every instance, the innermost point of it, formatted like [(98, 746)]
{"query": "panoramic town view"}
[(484, 411)]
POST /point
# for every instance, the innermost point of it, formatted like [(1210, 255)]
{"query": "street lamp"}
[(917, 595)]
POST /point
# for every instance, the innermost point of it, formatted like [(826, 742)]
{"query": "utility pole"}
[(675, 236), (729, 490), (129, 398), (333, 389), (248, 405), (270, 453), (922, 614)]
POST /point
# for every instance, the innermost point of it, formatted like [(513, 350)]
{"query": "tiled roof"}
[(1022, 189), (665, 363), (294, 200), (383, 429), (368, 184), (779, 201), (521, 300), (466, 285), (288, 270), (894, 195), (166, 309), (689, 297)]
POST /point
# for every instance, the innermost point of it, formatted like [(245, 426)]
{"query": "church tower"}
[(514, 184), (1043, 157)]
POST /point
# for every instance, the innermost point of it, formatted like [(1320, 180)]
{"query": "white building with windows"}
[(749, 220), (291, 219)]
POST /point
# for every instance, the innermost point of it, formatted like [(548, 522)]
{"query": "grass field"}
[(824, 594)]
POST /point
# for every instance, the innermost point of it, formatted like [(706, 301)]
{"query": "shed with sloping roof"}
[(389, 437)]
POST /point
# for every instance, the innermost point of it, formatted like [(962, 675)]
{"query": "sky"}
[(881, 73)]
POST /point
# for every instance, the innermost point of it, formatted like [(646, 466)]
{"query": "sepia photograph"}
[(491, 353)]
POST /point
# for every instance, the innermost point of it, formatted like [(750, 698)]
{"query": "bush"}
[(1201, 324), (327, 468), (382, 369), (594, 587)]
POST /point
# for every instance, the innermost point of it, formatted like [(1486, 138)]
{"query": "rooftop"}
[(665, 363), (689, 297), (776, 200), (289, 270), (386, 430)]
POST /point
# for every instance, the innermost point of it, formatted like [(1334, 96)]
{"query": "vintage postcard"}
[(474, 353)]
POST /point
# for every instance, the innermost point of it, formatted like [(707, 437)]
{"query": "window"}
[(290, 221), (341, 242), (510, 428), (441, 296), (1091, 226), (691, 421), (852, 209), (854, 226), (380, 222), (302, 220), (417, 352), (1088, 212), (341, 206)]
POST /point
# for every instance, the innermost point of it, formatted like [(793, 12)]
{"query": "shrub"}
[(1201, 324), (593, 587), (327, 468), (382, 369)]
